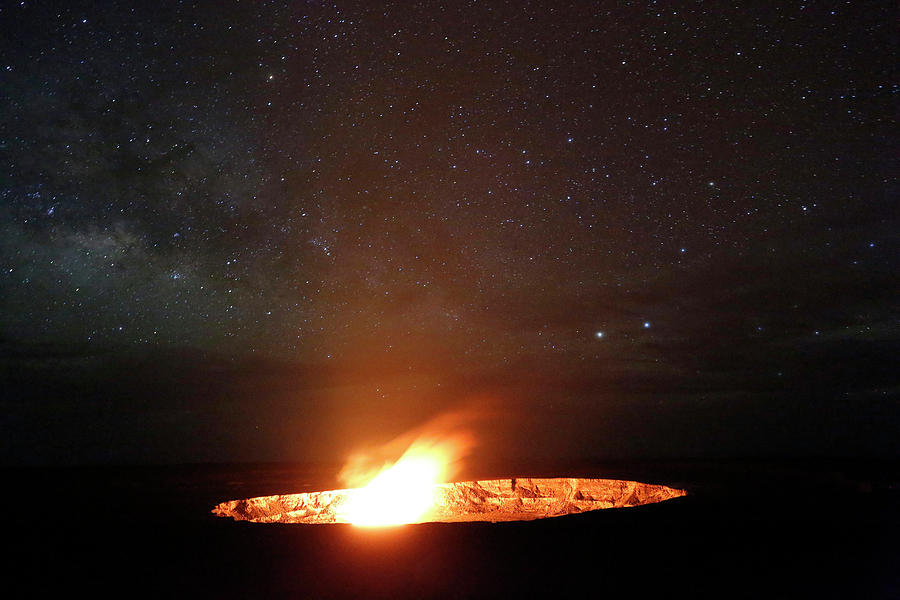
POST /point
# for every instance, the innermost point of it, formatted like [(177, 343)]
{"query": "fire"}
[(404, 492)]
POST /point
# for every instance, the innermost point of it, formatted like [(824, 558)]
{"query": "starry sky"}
[(276, 230)]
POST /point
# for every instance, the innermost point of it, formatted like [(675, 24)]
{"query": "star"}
[(317, 181)]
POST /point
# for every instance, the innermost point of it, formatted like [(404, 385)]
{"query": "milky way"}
[(686, 202)]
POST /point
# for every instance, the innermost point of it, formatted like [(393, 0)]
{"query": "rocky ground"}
[(494, 500)]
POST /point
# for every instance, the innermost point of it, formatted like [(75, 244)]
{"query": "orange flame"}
[(403, 492)]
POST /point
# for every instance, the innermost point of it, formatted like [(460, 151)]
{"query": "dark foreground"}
[(749, 529)]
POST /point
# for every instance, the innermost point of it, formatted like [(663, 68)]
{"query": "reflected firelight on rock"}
[(411, 490), (493, 500)]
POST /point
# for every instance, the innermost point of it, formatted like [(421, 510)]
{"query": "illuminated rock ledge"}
[(521, 499)]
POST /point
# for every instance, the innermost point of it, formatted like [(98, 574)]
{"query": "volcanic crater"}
[(492, 500)]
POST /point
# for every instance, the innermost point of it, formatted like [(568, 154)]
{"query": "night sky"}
[(281, 230)]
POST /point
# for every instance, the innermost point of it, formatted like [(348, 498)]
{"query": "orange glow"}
[(404, 492), (491, 500), (400, 494)]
